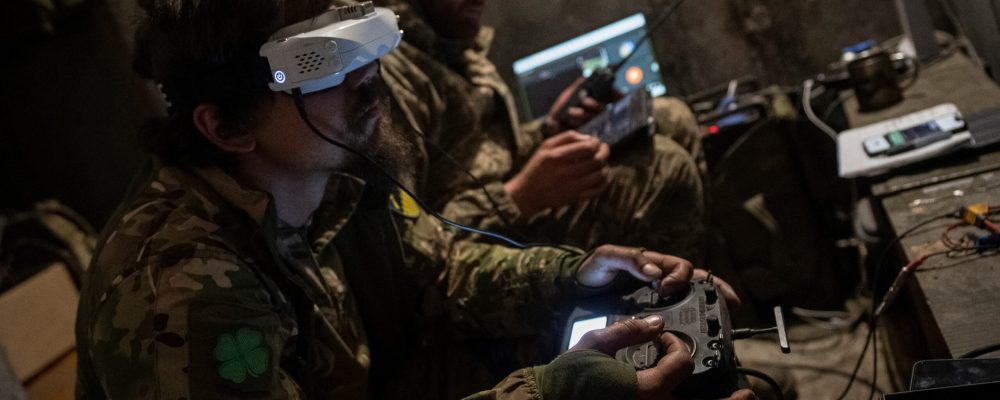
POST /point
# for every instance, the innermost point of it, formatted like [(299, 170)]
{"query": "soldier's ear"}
[(207, 119)]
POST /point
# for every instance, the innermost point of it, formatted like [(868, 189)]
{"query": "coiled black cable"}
[(778, 394)]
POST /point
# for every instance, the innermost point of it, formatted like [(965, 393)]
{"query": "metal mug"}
[(875, 80)]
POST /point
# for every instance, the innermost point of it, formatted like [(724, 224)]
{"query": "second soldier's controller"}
[(698, 317)]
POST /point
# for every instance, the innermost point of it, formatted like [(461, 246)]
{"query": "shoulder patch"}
[(234, 348), (241, 354), (403, 204)]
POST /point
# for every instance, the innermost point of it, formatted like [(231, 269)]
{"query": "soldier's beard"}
[(387, 147)]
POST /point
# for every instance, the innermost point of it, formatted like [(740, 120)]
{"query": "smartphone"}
[(901, 141), (625, 119)]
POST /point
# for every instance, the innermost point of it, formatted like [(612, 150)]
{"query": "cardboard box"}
[(37, 319)]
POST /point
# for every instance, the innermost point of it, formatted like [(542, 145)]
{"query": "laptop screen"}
[(543, 75)]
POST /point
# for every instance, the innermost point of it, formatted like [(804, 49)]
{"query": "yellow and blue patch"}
[(401, 203)]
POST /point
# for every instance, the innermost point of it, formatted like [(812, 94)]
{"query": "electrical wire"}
[(829, 320), (872, 324), (833, 314), (965, 245), (875, 314), (857, 365), (479, 183), (834, 104), (949, 12), (889, 297), (766, 378), (739, 142), (652, 28), (807, 88), (980, 351), (803, 367), (962, 33), (300, 105), (907, 232), (874, 387)]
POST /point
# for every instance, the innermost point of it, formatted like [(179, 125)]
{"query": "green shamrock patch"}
[(241, 354)]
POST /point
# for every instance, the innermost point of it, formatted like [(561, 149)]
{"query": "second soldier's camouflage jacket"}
[(199, 292), (453, 95), (450, 93)]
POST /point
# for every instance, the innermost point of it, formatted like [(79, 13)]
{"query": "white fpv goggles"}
[(317, 53)]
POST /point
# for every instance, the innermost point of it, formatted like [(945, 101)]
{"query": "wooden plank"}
[(962, 294), (57, 382), (38, 318)]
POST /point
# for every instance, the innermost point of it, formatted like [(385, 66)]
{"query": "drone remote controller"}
[(698, 317)]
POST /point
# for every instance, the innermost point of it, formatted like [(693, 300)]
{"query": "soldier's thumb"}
[(622, 334)]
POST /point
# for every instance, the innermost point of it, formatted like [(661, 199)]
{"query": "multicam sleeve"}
[(195, 326), (534, 132), (420, 107), (490, 205), (492, 290), (519, 385), (475, 206)]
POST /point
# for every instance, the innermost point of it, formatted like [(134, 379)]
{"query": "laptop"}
[(542, 76)]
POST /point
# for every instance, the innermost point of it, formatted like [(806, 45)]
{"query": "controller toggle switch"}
[(713, 325), (711, 295)]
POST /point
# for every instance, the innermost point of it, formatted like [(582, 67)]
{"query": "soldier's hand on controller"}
[(656, 382), (575, 117), (565, 169), (672, 274)]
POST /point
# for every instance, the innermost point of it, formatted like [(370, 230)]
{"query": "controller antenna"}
[(779, 327), (600, 84)]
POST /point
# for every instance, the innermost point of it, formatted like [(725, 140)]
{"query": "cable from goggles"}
[(301, 106)]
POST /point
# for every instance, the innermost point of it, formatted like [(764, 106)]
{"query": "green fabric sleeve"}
[(576, 375), (491, 290), (586, 374), (536, 130)]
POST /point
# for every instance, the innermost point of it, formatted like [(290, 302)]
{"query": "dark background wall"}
[(706, 42), (70, 107)]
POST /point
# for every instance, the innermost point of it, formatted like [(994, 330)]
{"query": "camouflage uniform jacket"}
[(451, 93), (463, 105), (198, 291)]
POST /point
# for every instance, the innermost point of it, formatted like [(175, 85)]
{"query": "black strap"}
[(239, 76)]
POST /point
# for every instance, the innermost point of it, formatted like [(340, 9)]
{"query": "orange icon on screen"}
[(633, 75)]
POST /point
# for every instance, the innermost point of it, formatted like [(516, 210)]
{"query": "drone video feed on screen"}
[(543, 75)]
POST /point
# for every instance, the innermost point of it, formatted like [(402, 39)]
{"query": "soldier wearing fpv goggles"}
[(251, 261)]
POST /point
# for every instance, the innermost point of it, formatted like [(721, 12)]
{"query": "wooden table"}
[(955, 301)]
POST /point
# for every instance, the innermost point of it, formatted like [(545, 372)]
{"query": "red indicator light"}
[(713, 129), (633, 75)]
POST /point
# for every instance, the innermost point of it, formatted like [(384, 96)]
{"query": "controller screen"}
[(583, 326)]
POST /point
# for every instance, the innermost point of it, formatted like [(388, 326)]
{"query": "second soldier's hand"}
[(565, 169), (574, 117)]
